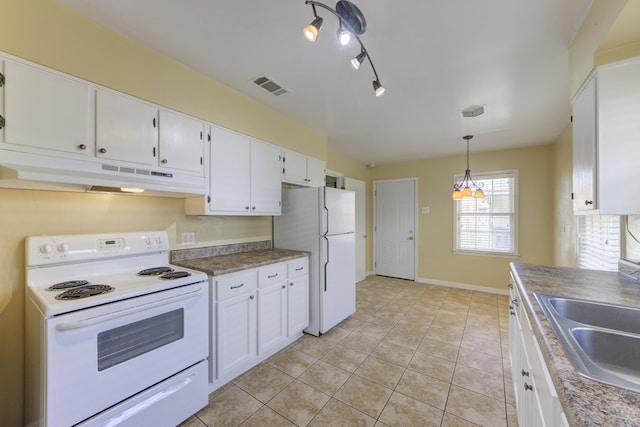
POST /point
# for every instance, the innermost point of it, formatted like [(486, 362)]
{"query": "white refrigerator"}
[(321, 221)]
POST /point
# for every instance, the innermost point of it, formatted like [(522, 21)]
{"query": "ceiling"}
[(433, 57)]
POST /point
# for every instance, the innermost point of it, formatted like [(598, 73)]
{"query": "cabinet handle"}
[(251, 297), (513, 313), (588, 202), (163, 161), (515, 302), (510, 285), (154, 122), (253, 208), (299, 268), (103, 150), (524, 373), (527, 387), (82, 146), (272, 276), (291, 284), (238, 286), (246, 207), (284, 286)]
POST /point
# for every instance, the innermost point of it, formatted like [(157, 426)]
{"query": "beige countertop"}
[(223, 264), (585, 402)]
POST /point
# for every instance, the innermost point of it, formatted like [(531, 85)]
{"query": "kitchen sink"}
[(601, 340)]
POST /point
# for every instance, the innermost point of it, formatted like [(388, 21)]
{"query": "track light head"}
[(311, 30), (358, 59), (377, 88), (344, 36)]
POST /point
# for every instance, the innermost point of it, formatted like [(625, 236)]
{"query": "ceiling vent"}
[(270, 86), (473, 111)]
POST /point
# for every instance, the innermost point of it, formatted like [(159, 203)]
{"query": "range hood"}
[(43, 172)]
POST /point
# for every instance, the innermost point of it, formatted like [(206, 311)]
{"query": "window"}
[(598, 242), (488, 225)]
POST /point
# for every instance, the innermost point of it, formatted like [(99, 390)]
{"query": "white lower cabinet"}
[(254, 314), (537, 402)]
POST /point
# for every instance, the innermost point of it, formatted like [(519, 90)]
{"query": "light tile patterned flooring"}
[(412, 355)]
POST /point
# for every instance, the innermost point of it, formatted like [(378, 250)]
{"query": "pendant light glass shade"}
[(467, 187)]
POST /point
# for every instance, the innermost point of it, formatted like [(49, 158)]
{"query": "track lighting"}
[(358, 59), (351, 24)]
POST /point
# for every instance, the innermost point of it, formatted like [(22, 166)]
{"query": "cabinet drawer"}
[(235, 284), (298, 267), (272, 273)]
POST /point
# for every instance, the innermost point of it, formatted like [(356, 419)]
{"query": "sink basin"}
[(601, 340), (616, 317), (613, 353)]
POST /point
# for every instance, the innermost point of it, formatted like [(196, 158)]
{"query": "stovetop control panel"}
[(45, 250)]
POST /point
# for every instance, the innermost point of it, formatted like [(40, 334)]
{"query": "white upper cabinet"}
[(126, 129), (46, 111), (606, 127), (302, 170), (266, 178), (244, 177), (584, 148), (230, 172), (181, 143)]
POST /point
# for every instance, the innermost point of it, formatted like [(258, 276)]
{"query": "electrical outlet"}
[(189, 238)]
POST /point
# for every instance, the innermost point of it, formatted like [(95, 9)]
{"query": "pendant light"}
[(468, 187), (351, 24)]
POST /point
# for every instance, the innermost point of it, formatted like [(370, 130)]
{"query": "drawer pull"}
[(513, 313), (291, 284), (237, 286), (272, 276), (527, 387), (251, 296), (510, 285), (515, 302), (524, 373), (298, 269)]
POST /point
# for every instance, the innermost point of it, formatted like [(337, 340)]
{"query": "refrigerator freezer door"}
[(338, 280), (340, 213)]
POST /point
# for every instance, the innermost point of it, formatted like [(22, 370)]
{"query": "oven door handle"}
[(69, 326)]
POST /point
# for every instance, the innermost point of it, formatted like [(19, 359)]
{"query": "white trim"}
[(415, 221), (463, 286)]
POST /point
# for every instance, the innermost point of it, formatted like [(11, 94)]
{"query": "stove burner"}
[(155, 271), (84, 291), (175, 275), (67, 285)]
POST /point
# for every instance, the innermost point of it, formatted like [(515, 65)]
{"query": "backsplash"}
[(207, 251)]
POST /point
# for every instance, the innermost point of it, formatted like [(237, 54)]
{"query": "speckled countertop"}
[(223, 264), (585, 402)]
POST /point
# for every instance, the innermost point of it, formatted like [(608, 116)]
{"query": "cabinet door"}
[(44, 110), (272, 316), (298, 304), (230, 172), (126, 129), (584, 148), (236, 332), (266, 178), (294, 167), (181, 142), (316, 171)]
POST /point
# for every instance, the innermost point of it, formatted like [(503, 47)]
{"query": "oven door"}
[(101, 356)]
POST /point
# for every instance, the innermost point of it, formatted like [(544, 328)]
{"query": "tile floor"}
[(411, 355)]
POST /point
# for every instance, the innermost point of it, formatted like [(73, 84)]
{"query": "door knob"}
[(410, 237)]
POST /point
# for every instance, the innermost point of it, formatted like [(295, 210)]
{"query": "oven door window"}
[(123, 343)]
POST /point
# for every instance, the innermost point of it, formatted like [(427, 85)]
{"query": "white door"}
[(237, 322), (266, 178), (394, 228), (181, 142), (230, 171), (359, 187)]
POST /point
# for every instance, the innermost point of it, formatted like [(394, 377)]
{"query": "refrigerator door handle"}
[(327, 221), (326, 263)]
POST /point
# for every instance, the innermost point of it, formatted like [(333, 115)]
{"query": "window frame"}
[(509, 173)]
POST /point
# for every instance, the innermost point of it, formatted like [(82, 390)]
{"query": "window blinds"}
[(489, 224), (599, 242)]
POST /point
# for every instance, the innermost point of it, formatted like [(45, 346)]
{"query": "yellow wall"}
[(435, 230), (564, 231)]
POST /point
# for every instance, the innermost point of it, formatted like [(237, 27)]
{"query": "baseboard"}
[(504, 291)]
